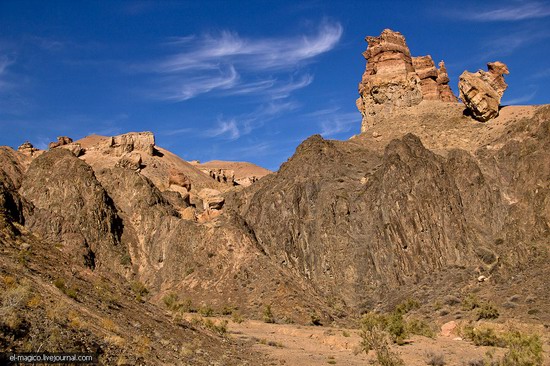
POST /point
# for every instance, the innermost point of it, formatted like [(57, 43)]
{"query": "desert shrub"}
[(206, 311), (419, 327), (523, 350), (228, 310), (139, 290), (171, 301), (374, 337), (406, 306), (315, 319), (268, 315), (345, 333), (435, 359), (125, 259), (487, 311), (471, 302), (67, 290), (483, 336), (219, 328), (236, 317)]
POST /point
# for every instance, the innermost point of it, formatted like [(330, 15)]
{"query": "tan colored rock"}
[(61, 140), (74, 148), (221, 175), (389, 81), (123, 144), (445, 92), (27, 149), (394, 80), (189, 214), (131, 160), (211, 198), (448, 329), (482, 91), (179, 179)]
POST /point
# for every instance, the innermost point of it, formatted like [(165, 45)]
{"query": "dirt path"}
[(309, 345)]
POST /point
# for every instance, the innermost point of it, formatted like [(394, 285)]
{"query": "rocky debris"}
[(123, 144), (212, 199), (179, 179), (482, 91), (61, 140), (28, 149), (189, 214), (394, 80), (131, 160), (226, 176), (71, 207)]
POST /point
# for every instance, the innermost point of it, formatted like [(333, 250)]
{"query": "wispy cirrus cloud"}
[(333, 121), (231, 65), (5, 62), (511, 12), (226, 129), (521, 99)]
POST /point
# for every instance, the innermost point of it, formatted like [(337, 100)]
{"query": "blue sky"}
[(237, 80)]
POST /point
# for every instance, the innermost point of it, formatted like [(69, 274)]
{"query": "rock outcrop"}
[(123, 144), (27, 149), (389, 80), (179, 179), (61, 140), (131, 160), (211, 198), (221, 175), (434, 82), (394, 80), (482, 91), (71, 207)]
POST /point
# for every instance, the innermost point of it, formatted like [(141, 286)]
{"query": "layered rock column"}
[(389, 81), (394, 80)]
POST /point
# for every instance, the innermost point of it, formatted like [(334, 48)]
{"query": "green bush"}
[(523, 350), (487, 311), (139, 290), (483, 336)]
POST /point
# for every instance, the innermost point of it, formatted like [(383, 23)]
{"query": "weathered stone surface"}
[(128, 142), (445, 92), (221, 175), (72, 207), (131, 160), (27, 149), (389, 80), (179, 179), (74, 148), (394, 80), (61, 140), (482, 91), (211, 198)]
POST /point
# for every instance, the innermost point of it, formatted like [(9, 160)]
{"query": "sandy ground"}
[(309, 345)]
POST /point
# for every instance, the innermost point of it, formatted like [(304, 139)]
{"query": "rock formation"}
[(61, 140), (445, 92), (131, 160), (211, 198), (434, 82), (27, 149), (221, 175), (179, 179), (394, 80), (481, 91), (122, 144)]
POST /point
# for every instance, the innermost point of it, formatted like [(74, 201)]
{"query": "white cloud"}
[(234, 65), (520, 100), (178, 89), (521, 11), (333, 121), (260, 54), (226, 129)]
